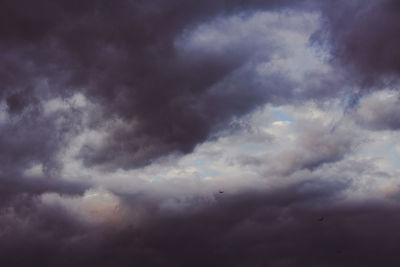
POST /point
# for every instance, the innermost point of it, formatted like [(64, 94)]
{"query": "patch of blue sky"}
[(280, 115), (210, 173), (199, 163), (204, 169), (158, 177)]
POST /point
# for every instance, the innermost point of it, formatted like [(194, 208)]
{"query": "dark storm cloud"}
[(122, 55), (258, 228), (363, 35)]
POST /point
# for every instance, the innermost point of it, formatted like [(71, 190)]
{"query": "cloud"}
[(379, 111), (123, 56), (277, 228), (316, 145), (180, 133), (362, 36)]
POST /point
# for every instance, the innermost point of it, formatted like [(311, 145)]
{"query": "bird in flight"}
[(221, 192)]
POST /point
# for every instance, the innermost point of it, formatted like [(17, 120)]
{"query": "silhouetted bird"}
[(221, 192), (320, 219)]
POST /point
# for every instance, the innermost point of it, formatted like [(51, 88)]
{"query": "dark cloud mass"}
[(279, 228), (364, 36), (123, 56), (99, 88)]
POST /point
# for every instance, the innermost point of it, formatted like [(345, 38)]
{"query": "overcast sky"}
[(199, 133)]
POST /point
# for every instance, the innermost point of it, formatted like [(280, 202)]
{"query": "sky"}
[(199, 133)]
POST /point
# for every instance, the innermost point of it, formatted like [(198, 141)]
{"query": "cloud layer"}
[(220, 133)]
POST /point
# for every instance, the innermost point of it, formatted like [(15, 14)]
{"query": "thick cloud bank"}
[(306, 224), (199, 133)]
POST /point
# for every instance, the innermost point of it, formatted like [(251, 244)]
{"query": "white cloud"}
[(34, 171)]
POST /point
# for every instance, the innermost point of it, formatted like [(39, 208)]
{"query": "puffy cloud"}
[(380, 111)]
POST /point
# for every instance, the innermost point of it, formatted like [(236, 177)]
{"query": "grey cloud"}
[(123, 57), (274, 228), (318, 144), (378, 113), (28, 138), (363, 36)]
